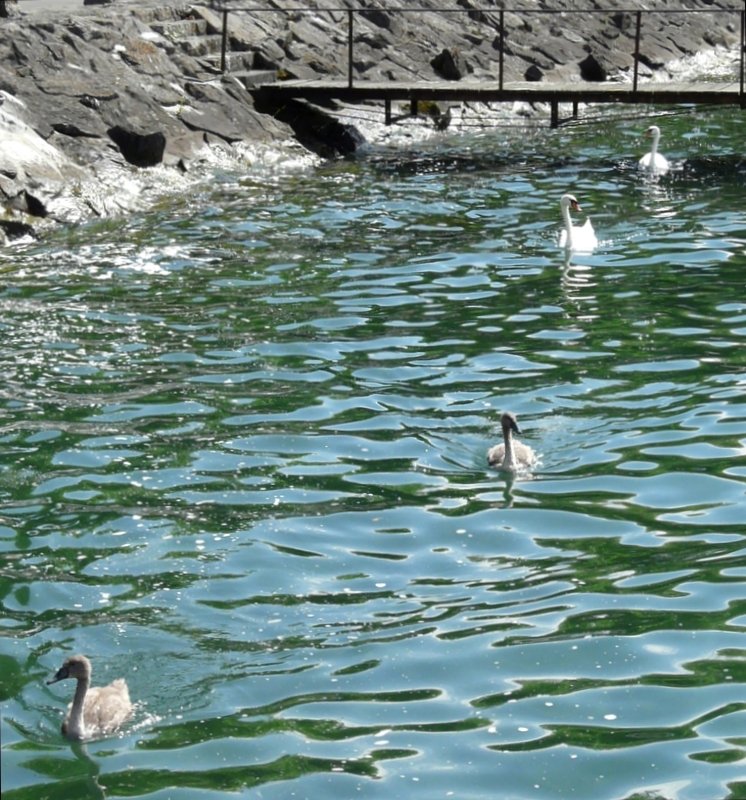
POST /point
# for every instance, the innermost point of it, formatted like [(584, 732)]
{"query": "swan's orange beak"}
[(575, 206)]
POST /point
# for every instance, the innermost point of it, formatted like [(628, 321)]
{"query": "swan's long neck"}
[(75, 723), (509, 456), (654, 146), (568, 243)]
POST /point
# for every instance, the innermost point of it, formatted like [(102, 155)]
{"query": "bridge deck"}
[(720, 93)]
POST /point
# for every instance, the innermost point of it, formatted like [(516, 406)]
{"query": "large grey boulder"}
[(450, 64)]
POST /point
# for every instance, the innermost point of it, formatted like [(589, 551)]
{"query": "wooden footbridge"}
[(355, 89), (492, 92)]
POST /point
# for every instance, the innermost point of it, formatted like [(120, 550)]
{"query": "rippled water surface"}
[(243, 465)]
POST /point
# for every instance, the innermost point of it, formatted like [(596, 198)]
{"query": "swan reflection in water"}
[(578, 286), (91, 771)]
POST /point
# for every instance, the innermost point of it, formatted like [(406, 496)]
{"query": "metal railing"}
[(226, 8)]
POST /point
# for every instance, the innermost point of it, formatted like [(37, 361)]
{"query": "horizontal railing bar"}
[(223, 7), (422, 10)]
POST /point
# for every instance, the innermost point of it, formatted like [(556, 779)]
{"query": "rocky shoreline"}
[(95, 94)]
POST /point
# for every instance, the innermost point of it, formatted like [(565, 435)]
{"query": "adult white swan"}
[(581, 238), (97, 711), (510, 455), (654, 162)]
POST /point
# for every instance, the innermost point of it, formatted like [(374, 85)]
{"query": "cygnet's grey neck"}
[(75, 723), (509, 457)]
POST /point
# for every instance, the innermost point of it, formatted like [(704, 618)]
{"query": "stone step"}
[(236, 61), (162, 13), (180, 29), (254, 77), (198, 46)]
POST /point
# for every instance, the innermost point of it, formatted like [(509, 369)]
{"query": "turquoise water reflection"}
[(244, 464)]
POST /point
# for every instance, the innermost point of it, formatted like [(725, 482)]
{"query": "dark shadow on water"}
[(435, 157), (729, 168)]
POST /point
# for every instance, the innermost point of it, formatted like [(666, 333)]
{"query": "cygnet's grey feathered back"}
[(510, 455)]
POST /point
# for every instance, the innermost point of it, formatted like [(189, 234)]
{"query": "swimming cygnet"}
[(510, 455), (97, 711)]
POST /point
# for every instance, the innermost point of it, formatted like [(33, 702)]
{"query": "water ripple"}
[(244, 463)]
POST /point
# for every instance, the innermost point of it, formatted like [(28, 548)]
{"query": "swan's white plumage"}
[(510, 455), (95, 711), (581, 238), (654, 163)]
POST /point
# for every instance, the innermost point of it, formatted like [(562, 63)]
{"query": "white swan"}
[(97, 711), (581, 238), (654, 162), (510, 455)]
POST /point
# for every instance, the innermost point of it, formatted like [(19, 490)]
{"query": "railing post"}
[(349, 47), (638, 25), (743, 48), (501, 39), (224, 41)]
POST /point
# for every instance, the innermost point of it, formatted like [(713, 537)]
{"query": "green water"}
[(243, 465)]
